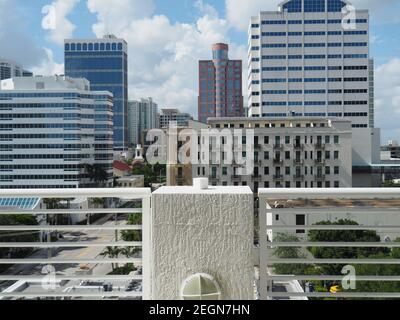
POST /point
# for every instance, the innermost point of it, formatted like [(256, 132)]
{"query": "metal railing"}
[(75, 251), (372, 214)]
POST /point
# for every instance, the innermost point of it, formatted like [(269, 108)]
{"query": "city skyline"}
[(192, 28)]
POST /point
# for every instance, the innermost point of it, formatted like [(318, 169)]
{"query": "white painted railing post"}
[(146, 248), (263, 250)]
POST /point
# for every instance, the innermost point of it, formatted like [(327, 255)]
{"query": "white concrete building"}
[(10, 69), (288, 153), (51, 128), (305, 59), (174, 117)]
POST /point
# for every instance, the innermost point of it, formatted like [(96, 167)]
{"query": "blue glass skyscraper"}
[(104, 62)]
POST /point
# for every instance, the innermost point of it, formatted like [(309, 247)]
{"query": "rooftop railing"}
[(336, 243), (84, 250)]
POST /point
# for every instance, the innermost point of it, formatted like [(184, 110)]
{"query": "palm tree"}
[(96, 173), (111, 252)]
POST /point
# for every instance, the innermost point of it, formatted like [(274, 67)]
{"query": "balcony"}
[(278, 147), (298, 146), (315, 206), (236, 178), (298, 162), (277, 161), (320, 177), (320, 161), (85, 241), (298, 177), (257, 146), (320, 146), (278, 177), (256, 177), (85, 253)]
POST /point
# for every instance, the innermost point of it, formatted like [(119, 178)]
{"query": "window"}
[(266, 171), (336, 155), (300, 221), (336, 139), (336, 170)]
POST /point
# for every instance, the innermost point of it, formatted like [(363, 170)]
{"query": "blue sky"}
[(167, 37)]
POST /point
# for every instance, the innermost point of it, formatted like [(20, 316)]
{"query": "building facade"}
[(10, 69), (54, 133), (104, 62), (307, 60), (220, 85), (174, 117), (142, 116), (288, 153)]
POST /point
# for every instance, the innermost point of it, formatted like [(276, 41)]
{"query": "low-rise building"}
[(174, 117), (288, 152)]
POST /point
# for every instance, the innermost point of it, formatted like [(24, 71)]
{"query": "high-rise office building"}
[(10, 69), (175, 117), (220, 85), (104, 62), (53, 132), (308, 59), (142, 115)]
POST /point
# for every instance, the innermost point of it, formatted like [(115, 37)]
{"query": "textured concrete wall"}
[(206, 232)]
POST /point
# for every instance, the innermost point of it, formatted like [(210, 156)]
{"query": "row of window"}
[(288, 171), (315, 45), (93, 46), (280, 80), (309, 56), (77, 157), (311, 33), (313, 103), (72, 177), (45, 146), (65, 116), (312, 21), (67, 126), (53, 95), (315, 91), (311, 68)]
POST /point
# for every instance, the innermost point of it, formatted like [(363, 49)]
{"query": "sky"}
[(166, 39)]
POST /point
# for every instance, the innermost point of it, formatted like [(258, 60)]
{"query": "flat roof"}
[(210, 190)]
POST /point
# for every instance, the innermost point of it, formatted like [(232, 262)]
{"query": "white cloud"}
[(239, 12), (20, 47), (48, 66), (55, 20), (163, 56), (116, 15)]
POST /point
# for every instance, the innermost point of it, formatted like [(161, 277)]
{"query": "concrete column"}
[(200, 229)]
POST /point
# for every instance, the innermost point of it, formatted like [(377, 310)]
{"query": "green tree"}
[(96, 173), (289, 253), (133, 235), (345, 252), (112, 253)]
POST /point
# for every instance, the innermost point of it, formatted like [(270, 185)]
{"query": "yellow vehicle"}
[(335, 289)]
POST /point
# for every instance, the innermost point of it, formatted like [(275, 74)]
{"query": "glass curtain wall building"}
[(53, 130), (220, 85), (104, 62), (311, 59)]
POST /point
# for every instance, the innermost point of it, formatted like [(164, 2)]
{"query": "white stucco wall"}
[(201, 231)]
